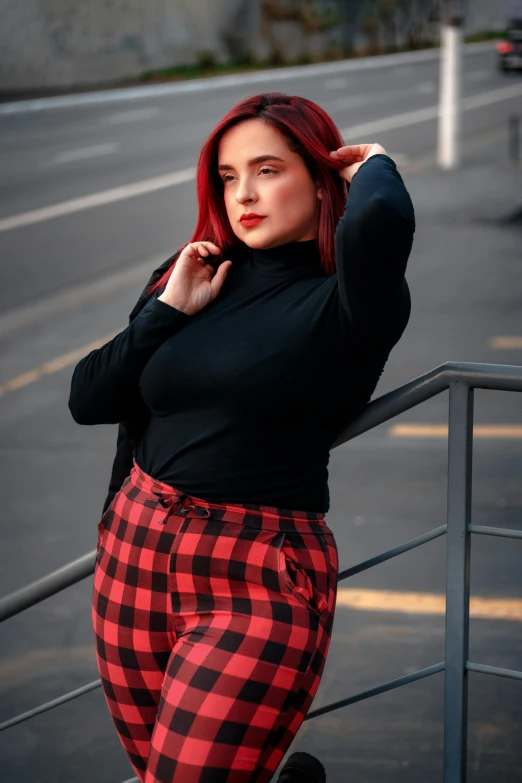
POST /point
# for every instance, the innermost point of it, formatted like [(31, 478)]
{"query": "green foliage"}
[(206, 60), (246, 58), (378, 23), (485, 35)]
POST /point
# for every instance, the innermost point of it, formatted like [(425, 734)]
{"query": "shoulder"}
[(155, 276)]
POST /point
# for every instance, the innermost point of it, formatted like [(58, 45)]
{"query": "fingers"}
[(219, 278), (348, 172), (202, 248), (352, 153), (357, 153)]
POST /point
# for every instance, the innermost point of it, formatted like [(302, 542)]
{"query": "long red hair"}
[(309, 132)]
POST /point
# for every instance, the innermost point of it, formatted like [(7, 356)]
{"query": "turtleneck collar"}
[(292, 259)]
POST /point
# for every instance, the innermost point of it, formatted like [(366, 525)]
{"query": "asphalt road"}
[(74, 254)]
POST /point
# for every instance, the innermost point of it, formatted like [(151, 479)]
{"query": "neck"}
[(291, 259)]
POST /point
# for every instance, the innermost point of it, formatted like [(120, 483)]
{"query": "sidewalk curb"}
[(222, 82)]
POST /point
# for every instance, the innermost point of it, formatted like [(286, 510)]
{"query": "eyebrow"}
[(259, 159)]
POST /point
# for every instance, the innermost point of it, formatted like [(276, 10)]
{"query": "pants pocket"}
[(102, 527), (304, 570)]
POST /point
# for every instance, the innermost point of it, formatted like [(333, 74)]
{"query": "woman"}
[(216, 575)]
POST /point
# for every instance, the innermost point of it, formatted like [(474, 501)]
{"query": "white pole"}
[(450, 92)]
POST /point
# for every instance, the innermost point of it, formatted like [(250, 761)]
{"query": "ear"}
[(319, 191)]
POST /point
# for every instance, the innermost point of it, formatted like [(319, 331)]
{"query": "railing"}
[(461, 379)]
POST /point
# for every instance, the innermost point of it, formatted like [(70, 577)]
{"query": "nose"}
[(245, 193)]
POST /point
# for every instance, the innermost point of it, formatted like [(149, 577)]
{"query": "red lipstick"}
[(250, 219)]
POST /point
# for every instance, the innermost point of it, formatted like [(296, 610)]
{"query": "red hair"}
[(309, 132)]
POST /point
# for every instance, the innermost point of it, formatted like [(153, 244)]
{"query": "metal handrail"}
[(501, 377), (461, 378)]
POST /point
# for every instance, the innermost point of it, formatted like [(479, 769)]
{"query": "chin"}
[(261, 242), (257, 243)]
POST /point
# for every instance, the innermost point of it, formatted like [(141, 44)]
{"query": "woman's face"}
[(262, 175)]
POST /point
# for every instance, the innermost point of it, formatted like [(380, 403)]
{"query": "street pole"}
[(450, 92)]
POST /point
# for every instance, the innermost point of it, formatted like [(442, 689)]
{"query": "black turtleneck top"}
[(247, 396)]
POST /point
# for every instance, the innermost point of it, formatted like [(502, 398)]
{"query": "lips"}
[(249, 222)]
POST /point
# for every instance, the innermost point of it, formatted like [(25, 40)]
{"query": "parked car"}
[(510, 49)]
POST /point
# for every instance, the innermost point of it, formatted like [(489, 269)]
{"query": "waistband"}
[(151, 492)]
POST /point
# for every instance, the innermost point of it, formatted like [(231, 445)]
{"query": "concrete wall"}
[(490, 14), (61, 44), (66, 43)]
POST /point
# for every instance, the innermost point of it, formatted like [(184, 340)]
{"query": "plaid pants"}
[(212, 625)]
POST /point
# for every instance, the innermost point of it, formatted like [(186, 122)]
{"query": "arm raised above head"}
[(373, 241)]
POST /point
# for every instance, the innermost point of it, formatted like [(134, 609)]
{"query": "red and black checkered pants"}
[(212, 625)]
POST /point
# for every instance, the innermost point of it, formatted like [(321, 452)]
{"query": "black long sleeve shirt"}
[(247, 396)]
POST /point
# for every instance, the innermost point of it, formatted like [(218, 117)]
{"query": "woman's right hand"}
[(355, 155), (193, 283)]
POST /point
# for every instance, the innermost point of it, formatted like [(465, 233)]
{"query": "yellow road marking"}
[(506, 342), (18, 669), (426, 603), (55, 365), (441, 431)]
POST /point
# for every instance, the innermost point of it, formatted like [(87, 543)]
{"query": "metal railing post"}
[(460, 447)]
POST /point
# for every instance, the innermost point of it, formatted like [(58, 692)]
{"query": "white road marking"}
[(492, 96), (390, 123), (175, 178), (430, 113), (85, 153), (136, 115), (337, 84), (96, 199), (352, 101), (425, 88), (239, 80), (477, 76), (405, 70)]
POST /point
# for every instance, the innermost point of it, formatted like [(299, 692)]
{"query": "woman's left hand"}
[(355, 155)]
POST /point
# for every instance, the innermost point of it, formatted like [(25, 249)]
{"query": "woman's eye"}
[(264, 170)]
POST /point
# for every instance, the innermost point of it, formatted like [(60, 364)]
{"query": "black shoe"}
[(302, 768)]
